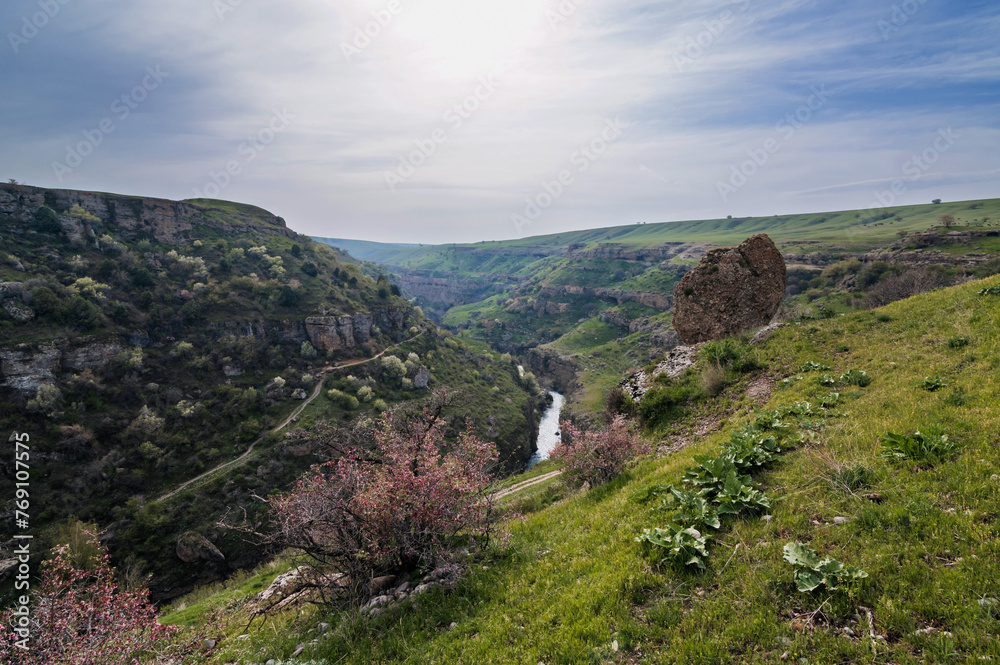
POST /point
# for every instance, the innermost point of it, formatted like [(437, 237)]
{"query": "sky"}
[(432, 121)]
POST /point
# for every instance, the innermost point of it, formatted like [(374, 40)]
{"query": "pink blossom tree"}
[(597, 457), (80, 616), (399, 498)]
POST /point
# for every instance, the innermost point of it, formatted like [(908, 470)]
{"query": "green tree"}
[(47, 221)]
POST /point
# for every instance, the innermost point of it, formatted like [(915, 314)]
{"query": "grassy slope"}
[(573, 583), (842, 229)]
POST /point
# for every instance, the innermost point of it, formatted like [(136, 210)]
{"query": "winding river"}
[(548, 430)]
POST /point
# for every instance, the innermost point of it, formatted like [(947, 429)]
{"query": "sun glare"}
[(462, 38)]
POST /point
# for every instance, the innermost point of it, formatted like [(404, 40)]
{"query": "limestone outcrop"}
[(193, 546), (167, 221), (731, 290)]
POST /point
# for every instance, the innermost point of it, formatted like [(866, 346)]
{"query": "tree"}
[(947, 220), (47, 221), (936, 201), (395, 499), (80, 616)]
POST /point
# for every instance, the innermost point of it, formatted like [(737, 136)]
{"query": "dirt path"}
[(284, 423), (524, 484)]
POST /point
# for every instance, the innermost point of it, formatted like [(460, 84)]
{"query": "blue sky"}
[(465, 120)]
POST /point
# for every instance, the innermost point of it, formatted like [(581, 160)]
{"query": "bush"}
[(365, 394), (308, 351), (731, 354), (47, 221), (910, 283), (396, 503), (393, 367), (309, 268), (81, 616), (662, 405), (599, 456)]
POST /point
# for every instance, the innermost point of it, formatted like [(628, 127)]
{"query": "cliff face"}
[(446, 291), (167, 221)]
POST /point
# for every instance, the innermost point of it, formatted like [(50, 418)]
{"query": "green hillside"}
[(573, 586), (146, 342)]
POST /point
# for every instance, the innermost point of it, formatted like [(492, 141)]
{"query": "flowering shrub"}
[(397, 502), (81, 617), (599, 456)]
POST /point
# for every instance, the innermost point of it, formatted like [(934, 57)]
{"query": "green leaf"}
[(808, 580), (798, 554)]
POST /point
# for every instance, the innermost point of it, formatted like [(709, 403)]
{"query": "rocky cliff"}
[(166, 221)]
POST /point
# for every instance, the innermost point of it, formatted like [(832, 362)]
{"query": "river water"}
[(548, 430)]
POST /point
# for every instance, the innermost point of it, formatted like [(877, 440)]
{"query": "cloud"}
[(368, 83)]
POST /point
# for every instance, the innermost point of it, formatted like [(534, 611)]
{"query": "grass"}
[(573, 585)]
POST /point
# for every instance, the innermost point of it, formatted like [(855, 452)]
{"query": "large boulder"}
[(731, 290), (193, 546)]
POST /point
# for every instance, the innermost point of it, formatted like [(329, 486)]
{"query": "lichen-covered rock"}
[(731, 290), (193, 546)]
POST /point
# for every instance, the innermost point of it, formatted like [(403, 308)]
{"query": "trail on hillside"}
[(525, 484), (284, 423)]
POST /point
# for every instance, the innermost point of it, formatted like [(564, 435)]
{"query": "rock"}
[(7, 568), (298, 393), (299, 649), (209, 643), (422, 378), (192, 547), (18, 312), (25, 371), (841, 520), (230, 370), (731, 290), (380, 584)]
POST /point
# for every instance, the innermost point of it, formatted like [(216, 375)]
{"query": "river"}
[(548, 430)]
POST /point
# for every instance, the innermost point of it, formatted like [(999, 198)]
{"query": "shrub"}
[(598, 456), (182, 349), (661, 405), (308, 351), (396, 503), (309, 268), (910, 283), (731, 354), (81, 616), (380, 405), (393, 367), (365, 394), (47, 221), (46, 399)]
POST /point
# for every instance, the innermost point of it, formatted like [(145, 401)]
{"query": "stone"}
[(298, 393), (731, 290), (193, 546), (380, 584), (299, 649)]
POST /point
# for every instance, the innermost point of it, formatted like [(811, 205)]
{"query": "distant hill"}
[(362, 249)]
